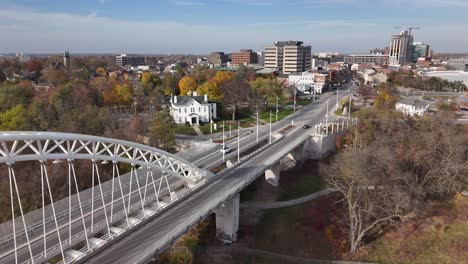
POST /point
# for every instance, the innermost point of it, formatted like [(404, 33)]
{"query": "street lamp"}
[(257, 124), (223, 142), (277, 99), (270, 127), (238, 141)]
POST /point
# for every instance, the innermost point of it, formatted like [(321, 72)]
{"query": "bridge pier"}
[(227, 220), (297, 155), (272, 175)]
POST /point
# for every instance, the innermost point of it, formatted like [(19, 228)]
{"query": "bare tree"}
[(396, 165), (235, 92)]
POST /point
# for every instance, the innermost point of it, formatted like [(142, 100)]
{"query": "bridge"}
[(152, 197)]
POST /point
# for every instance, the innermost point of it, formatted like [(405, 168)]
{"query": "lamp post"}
[(223, 142), (295, 91), (270, 127), (238, 141), (257, 124), (277, 110)]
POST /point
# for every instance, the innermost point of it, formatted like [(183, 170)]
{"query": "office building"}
[(261, 58), (245, 56), (377, 59), (129, 60), (420, 50), (288, 56), (401, 48)]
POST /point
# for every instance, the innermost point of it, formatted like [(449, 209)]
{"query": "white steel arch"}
[(29, 146), (43, 146)]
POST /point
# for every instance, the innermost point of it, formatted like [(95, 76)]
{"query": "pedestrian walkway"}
[(197, 130)]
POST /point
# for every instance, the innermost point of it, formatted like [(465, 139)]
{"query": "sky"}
[(201, 26)]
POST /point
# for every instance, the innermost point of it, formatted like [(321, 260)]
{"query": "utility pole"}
[(238, 141), (257, 124), (211, 126), (314, 94), (223, 142), (295, 91), (270, 127), (350, 103), (277, 110)]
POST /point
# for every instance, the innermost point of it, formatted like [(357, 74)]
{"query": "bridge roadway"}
[(159, 232), (310, 114)]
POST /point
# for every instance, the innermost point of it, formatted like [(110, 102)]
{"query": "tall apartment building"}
[(288, 56), (131, 60), (401, 48), (245, 56)]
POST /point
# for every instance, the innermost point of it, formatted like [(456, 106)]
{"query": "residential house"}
[(192, 109), (412, 107)]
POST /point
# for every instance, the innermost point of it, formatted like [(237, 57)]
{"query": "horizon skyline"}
[(182, 26)]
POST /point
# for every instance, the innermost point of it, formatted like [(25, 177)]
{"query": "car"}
[(306, 126), (225, 149)]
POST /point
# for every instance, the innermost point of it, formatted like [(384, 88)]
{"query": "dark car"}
[(305, 126)]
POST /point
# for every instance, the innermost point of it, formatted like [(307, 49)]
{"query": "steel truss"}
[(156, 175)]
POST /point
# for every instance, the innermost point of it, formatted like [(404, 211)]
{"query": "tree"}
[(170, 85), (221, 77), (269, 90), (395, 166), (55, 76), (162, 131), (211, 89), (366, 92), (2, 76), (14, 119), (187, 85), (34, 66), (235, 92), (101, 72)]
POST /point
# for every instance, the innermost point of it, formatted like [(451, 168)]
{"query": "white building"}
[(307, 82), (192, 109), (412, 107)]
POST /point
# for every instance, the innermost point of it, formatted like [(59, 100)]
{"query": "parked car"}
[(225, 149), (305, 126)]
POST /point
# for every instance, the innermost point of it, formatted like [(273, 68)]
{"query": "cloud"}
[(24, 30)]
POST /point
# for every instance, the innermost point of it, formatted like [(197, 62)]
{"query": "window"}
[(180, 110), (185, 110), (199, 109)]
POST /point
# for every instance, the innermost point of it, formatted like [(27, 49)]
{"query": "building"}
[(192, 109), (261, 58), (377, 59), (412, 107), (288, 56), (217, 58), (129, 60), (401, 48), (420, 50), (245, 56), (24, 57), (309, 82), (66, 59)]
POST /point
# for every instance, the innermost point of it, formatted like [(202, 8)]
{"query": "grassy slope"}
[(441, 238)]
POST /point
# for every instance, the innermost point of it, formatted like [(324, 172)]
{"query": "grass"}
[(301, 182), (185, 130), (265, 115)]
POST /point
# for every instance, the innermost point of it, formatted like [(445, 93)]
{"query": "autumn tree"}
[(235, 92), (187, 85), (170, 85), (269, 90), (221, 77), (2, 76), (14, 119), (211, 89), (34, 66), (101, 72), (162, 131)]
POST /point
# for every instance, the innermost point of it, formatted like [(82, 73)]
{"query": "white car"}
[(225, 149)]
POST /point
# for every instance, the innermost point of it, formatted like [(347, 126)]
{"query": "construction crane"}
[(410, 28)]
